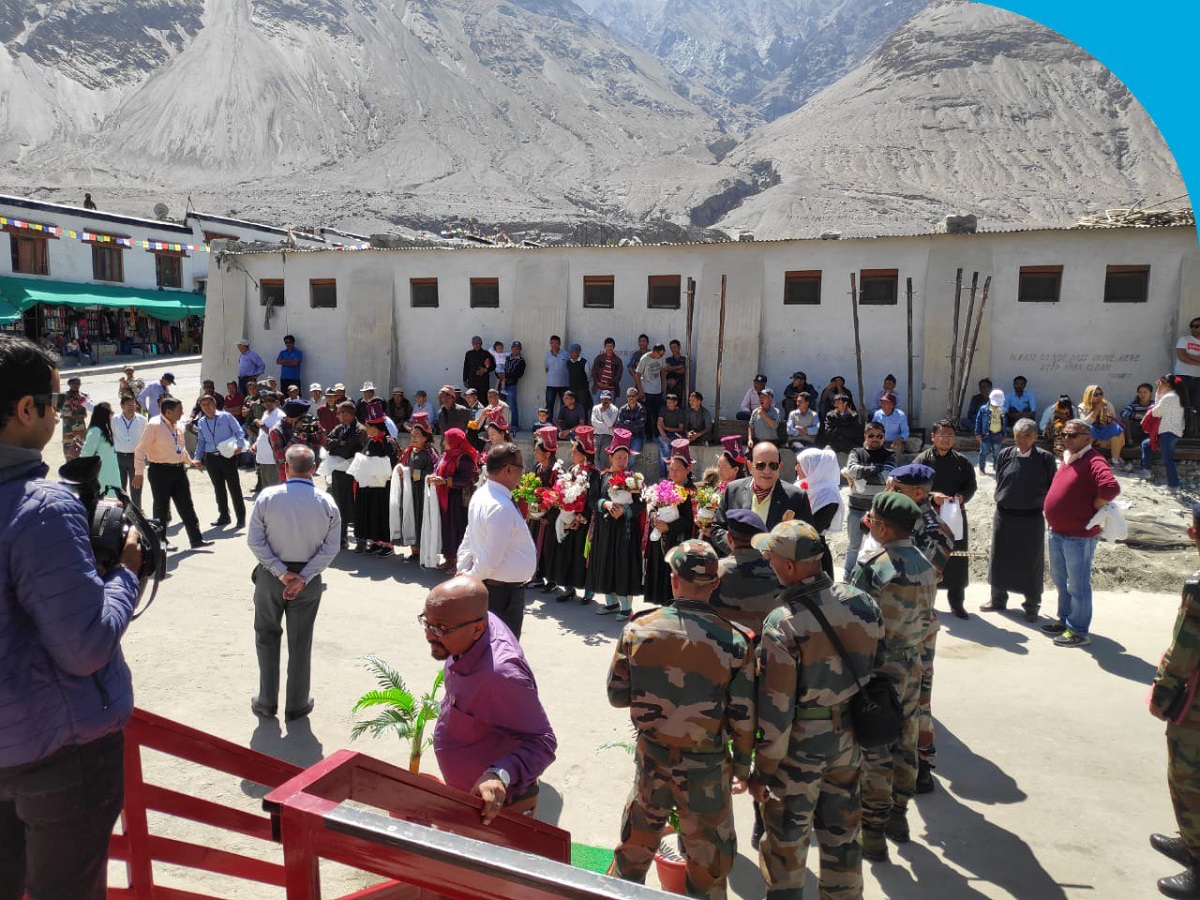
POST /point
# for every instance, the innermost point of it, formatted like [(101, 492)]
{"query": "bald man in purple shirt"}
[(492, 737)]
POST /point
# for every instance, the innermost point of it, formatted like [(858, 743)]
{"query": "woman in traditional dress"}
[(546, 468), (820, 477), (1100, 415), (953, 479), (571, 562), (615, 563), (372, 509), (671, 534), (454, 477), (99, 442), (420, 458)]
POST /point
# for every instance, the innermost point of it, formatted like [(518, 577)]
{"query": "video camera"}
[(109, 520)]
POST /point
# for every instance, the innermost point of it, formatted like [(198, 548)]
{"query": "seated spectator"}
[(570, 417), (799, 385), (1135, 411), (803, 424), (889, 387), (837, 385), (697, 420), (750, 401), (670, 427), (843, 432), (421, 404), (1063, 412), (399, 407), (1048, 414), (1107, 431), (1020, 403), (980, 399), (764, 421), (894, 422), (632, 417)]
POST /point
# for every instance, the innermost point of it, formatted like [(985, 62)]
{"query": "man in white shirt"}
[(264, 454), (127, 430), (1187, 361), (497, 547), (604, 419)]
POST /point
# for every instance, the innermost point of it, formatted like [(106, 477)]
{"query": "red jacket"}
[(1071, 501)]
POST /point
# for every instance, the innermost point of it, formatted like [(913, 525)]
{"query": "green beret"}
[(896, 508)]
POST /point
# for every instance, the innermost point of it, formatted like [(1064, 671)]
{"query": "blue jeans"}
[(636, 442), (1071, 569), (664, 445), (1166, 445), (510, 388), (990, 443)]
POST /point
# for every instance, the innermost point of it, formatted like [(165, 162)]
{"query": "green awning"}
[(20, 294)]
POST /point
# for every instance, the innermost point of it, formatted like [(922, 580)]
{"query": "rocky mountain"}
[(771, 55)]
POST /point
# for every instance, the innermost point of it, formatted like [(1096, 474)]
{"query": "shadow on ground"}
[(298, 745)]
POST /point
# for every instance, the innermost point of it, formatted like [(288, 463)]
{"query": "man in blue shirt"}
[(1021, 403), (213, 428), (250, 365), (152, 393), (289, 361), (557, 377), (894, 422)]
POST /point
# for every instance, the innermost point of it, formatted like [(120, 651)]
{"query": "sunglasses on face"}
[(442, 630), (1074, 434), (762, 466)]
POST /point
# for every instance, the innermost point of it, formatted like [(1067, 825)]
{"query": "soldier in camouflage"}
[(687, 677), (903, 584), (936, 542), (1173, 698), (807, 762)]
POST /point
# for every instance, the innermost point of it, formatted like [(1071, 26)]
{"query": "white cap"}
[(243, 341), (315, 387), (367, 386), (996, 397)]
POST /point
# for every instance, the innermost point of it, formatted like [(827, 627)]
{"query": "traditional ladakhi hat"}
[(547, 437), (494, 415), (734, 448), (681, 448), (889, 397), (375, 413), (621, 440), (585, 439), (420, 420)]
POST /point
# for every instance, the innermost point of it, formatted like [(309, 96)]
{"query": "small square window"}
[(662, 291), (423, 292), (485, 293), (598, 292), (1039, 284), (168, 269), (108, 263), (270, 292), (30, 255), (878, 287), (802, 288), (322, 293), (1127, 284)]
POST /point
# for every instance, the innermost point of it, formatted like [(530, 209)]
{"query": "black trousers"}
[(223, 473), (169, 482), (56, 816), (342, 487), (125, 466), (507, 601), (285, 383), (654, 404)]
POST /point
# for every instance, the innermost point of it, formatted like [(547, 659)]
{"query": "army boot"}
[(897, 825), (874, 846), (924, 777), (1171, 847), (1185, 885)]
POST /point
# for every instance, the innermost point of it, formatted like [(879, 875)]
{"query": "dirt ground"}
[(1050, 770)]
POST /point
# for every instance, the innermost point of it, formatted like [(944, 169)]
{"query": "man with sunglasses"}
[(1083, 483), (772, 500), (65, 690), (497, 547), (492, 737)]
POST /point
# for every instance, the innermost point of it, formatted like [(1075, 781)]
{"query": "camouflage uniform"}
[(687, 676), (904, 585), (807, 753), (935, 541), (748, 591), (1167, 698)]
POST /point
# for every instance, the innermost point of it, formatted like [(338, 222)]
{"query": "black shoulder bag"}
[(875, 709)]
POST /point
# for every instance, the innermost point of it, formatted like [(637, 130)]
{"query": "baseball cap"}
[(760, 377), (694, 561), (606, 395), (314, 387), (167, 376), (767, 391), (794, 539)]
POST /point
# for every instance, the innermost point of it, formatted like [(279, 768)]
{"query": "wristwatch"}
[(502, 774)]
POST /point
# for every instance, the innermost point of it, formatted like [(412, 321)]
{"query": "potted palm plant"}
[(400, 712)]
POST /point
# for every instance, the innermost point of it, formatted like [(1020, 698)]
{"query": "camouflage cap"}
[(794, 539), (694, 561)]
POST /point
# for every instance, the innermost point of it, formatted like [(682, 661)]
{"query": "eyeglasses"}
[(874, 436), (761, 466), (1097, 393), (1074, 434), (443, 630)]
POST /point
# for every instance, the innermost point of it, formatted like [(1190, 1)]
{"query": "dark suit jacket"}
[(738, 495)]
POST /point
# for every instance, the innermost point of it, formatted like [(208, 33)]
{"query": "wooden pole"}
[(862, 406), (720, 357), (953, 380), (690, 352), (912, 403), (962, 356), (962, 394)]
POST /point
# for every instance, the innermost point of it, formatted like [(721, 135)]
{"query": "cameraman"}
[(65, 691)]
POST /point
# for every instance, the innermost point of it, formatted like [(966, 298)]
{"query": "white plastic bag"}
[(951, 513), (229, 448), (1111, 519)]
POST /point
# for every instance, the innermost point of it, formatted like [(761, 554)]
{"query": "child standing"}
[(989, 428)]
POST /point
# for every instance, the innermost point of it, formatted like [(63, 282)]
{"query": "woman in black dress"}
[(570, 564), (658, 573), (420, 457), (546, 468), (953, 478), (372, 526), (454, 477), (615, 563)]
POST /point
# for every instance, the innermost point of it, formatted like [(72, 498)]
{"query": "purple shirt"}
[(491, 716)]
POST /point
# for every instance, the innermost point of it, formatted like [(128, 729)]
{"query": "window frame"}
[(416, 284), (1039, 272), (315, 283), (874, 276), (600, 281), (40, 255), (801, 277), (114, 254), (479, 285), (177, 256), (263, 284), (1127, 272), (654, 282)]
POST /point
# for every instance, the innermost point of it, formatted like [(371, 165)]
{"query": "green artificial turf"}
[(594, 859)]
